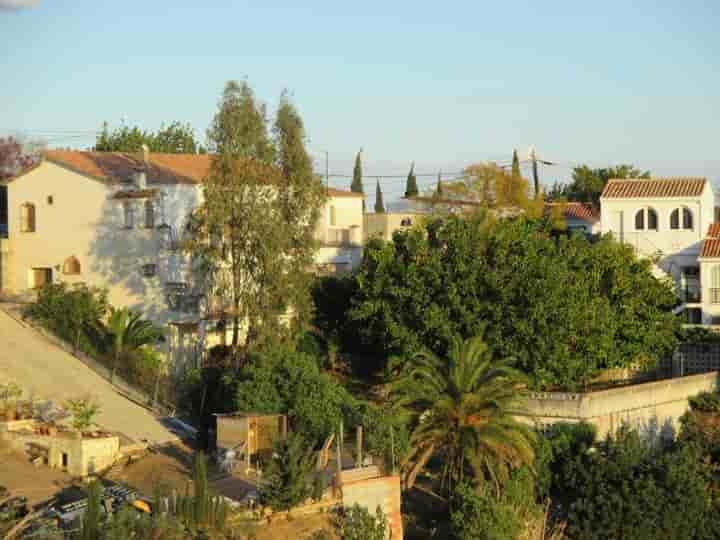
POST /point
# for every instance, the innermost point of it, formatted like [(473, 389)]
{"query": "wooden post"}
[(358, 446)]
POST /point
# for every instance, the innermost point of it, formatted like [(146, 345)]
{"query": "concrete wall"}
[(84, 456), (384, 225), (383, 491), (653, 408)]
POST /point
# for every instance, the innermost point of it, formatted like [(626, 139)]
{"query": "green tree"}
[(564, 308), (128, 332), (83, 410), (287, 477), (379, 205), (463, 408), (357, 185), (477, 514), (175, 138), (439, 188), (411, 187), (587, 184)]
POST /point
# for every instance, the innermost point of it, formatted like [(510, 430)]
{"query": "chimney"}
[(141, 171)]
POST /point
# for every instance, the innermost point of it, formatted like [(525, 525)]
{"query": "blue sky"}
[(441, 83)]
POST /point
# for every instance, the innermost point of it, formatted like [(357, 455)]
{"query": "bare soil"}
[(22, 478)]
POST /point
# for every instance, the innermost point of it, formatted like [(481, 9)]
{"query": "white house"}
[(578, 216), (115, 220), (665, 219)]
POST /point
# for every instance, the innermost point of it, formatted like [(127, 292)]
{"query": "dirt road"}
[(46, 372)]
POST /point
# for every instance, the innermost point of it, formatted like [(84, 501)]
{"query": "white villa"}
[(671, 220), (115, 220)]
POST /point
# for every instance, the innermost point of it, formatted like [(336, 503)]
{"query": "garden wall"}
[(653, 408)]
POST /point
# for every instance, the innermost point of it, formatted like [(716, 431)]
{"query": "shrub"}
[(385, 434), (288, 473), (478, 515), (84, 410), (356, 523), (705, 402)]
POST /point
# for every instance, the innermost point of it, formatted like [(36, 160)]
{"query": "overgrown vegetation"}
[(288, 475)]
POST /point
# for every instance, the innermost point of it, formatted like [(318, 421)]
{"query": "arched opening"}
[(681, 218), (646, 218), (71, 266), (27, 217), (640, 220)]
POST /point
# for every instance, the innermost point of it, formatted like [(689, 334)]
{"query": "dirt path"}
[(47, 372)]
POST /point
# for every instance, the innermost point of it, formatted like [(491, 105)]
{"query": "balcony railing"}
[(715, 296), (691, 296)]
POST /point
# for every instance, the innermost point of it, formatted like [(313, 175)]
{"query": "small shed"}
[(248, 432)]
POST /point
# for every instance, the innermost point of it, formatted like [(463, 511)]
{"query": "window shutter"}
[(640, 220), (675, 219)]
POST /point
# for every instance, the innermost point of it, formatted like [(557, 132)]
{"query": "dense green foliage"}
[(73, 313), (356, 523), (287, 476), (627, 489), (128, 332), (462, 409), (385, 434), (280, 380), (477, 514), (564, 308), (587, 184), (175, 138)]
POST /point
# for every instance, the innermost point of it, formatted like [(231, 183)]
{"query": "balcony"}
[(691, 296), (339, 236), (715, 296)]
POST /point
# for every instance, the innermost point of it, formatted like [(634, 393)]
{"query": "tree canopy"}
[(563, 308), (587, 184), (175, 138), (411, 187), (357, 185), (379, 204)]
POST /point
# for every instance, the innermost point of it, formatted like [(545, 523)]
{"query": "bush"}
[(478, 515), (379, 422), (356, 523), (705, 402), (629, 490), (287, 476)]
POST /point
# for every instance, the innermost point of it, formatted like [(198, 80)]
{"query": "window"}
[(71, 266), (406, 222), (128, 213), (50, 199), (715, 285), (27, 217), (333, 220), (687, 219), (41, 277), (640, 220), (646, 216), (149, 214), (149, 270)]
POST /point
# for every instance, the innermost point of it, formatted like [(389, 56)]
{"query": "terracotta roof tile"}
[(713, 231), (160, 169), (657, 187), (710, 247), (576, 210)]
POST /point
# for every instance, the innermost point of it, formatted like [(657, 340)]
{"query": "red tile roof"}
[(711, 244), (657, 187), (160, 168), (576, 210)]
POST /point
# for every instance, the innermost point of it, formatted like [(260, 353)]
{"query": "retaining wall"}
[(653, 408)]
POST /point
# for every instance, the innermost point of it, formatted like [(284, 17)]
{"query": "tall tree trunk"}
[(411, 475)]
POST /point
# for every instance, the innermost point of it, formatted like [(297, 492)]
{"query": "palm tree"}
[(462, 409), (128, 333)]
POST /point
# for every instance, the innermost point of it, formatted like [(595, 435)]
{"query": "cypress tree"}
[(439, 190), (515, 166), (411, 187), (357, 185), (379, 205)]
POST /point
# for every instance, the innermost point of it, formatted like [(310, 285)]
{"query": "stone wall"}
[(654, 408), (84, 456)]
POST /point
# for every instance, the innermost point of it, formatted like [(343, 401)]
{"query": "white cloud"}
[(18, 4)]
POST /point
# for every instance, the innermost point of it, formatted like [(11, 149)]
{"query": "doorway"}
[(64, 461)]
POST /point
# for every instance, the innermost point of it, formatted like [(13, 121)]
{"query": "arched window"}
[(640, 220), (71, 266), (27, 217), (681, 216), (406, 222), (128, 214), (149, 214), (646, 218)]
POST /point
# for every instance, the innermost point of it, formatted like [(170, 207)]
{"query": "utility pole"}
[(327, 171)]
